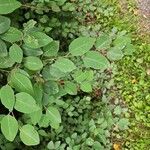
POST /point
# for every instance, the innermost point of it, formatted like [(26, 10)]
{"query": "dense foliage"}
[(57, 69), (133, 79)]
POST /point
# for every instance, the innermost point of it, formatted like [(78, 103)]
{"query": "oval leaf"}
[(9, 127), (37, 39), (86, 87), (80, 76), (81, 45), (25, 103), (28, 51), (21, 83), (3, 49), (103, 42), (33, 63), (70, 88), (51, 49), (6, 62), (12, 35), (29, 136), (8, 6), (114, 54), (122, 41), (95, 60), (64, 65), (36, 116), (129, 49), (4, 24), (54, 116), (7, 97), (16, 53)]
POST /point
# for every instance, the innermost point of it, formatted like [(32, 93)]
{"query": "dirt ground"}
[(144, 9)]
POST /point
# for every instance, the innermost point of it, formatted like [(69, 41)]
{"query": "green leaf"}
[(38, 93), (29, 25), (33, 63), (117, 110), (54, 116), (28, 51), (64, 65), (122, 41), (36, 116), (129, 49), (89, 141), (9, 127), (103, 42), (51, 49), (81, 45), (7, 97), (1, 117), (25, 103), (43, 133), (95, 60), (52, 73), (8, 6), (12, 35), (80, 76), (51, 87), (123, 123), (29, 136), (51, 145), (70, 88), (44, 121), (16, 53), (86, 87), (37, 39), (6, 62), (21, 82), (3, 49), (97, 145), (114, 54), (4, 24)]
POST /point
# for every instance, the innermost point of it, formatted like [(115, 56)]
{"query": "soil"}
[(144, 10)]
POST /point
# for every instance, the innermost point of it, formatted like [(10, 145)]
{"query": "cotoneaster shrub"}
[(50, 96)]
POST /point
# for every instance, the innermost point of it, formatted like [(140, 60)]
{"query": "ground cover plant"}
[(134, 85), (58, 74), (133, 77)]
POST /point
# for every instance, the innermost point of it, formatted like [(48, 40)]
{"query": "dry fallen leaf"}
[(148, 71), (134, 81), (136, 11), (116, 146)]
